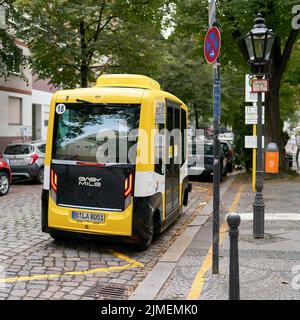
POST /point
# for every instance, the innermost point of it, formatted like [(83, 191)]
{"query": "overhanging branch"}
[(288, 51)]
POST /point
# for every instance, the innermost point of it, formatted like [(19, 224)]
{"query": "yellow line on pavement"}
[(131, 264), (196, 289)]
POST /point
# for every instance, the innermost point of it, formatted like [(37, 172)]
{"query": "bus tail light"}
[(53, 180), (128, 190), (128, 186)]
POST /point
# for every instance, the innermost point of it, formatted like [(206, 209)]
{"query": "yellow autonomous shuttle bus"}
[(129, 187)]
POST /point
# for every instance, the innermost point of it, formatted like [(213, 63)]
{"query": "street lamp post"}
[(259, 43)]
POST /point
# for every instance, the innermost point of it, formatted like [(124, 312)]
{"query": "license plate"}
[(16, 162), (89, 217)]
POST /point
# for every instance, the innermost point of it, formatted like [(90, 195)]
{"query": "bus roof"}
[(127, 81), (117, 88)]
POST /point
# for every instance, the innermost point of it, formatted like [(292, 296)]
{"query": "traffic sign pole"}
[(212, 48), (211, 12), (217, 171), (2, 17)]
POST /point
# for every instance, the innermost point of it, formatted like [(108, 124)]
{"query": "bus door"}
[(172, 154)]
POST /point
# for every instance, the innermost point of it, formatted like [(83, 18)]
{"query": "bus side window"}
[(159, 150), (183, 135)]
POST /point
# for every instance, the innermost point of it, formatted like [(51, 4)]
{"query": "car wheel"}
[(40, 176), (4, 184)]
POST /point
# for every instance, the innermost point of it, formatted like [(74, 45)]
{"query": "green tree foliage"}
[(289, 94), (72, 41), (10, 56), (236, 18), (183, 73)]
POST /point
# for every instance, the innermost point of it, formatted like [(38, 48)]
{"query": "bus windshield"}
[(95, 133)]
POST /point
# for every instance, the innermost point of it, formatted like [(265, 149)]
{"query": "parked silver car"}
[(26, 159)]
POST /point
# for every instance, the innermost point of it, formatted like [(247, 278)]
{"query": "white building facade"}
[(24, 106)]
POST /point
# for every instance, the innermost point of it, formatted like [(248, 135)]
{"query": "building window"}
[(14, 111), (46, 118)]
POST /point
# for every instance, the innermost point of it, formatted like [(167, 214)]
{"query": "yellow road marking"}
[(131, 264), (196, 289)]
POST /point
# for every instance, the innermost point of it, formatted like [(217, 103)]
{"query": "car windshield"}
[(95, 133), (18, 149)]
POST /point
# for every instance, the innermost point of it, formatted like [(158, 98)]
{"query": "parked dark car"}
[(26, 159), (208, 168), (5, 177), (229, 154)]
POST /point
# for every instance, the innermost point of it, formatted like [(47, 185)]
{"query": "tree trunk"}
[(84, 56), (84, 76), (274, 125), (197, 119)]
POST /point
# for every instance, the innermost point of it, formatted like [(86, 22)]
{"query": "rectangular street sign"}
[(251, 142), (260, 85), (251, 115), (252, 110), (253, 120), (249, 96)]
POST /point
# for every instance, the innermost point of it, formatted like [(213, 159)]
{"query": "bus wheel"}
[(58, 237), (185, 199), (144, 244)]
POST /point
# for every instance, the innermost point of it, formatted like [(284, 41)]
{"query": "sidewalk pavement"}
[(269, 267)]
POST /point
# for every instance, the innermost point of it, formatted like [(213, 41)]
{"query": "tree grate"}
[(107, 292)]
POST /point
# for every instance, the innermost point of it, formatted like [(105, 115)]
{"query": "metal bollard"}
[(233, 221)]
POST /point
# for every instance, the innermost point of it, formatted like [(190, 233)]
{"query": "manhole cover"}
[(107, 292)]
